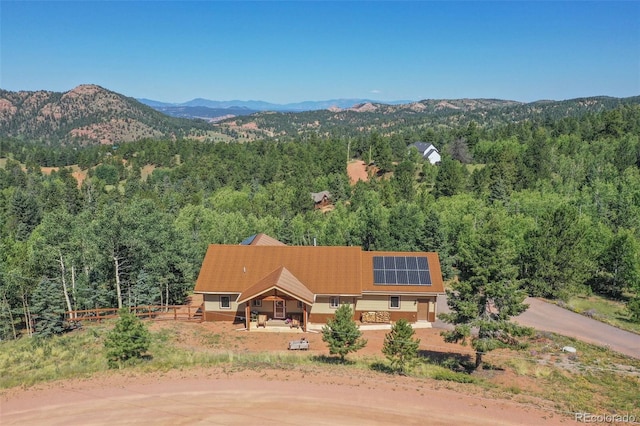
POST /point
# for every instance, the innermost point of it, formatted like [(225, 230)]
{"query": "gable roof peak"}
[(261, 240), (283, 280)]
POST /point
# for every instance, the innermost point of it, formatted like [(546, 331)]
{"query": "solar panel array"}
[(401, 270)]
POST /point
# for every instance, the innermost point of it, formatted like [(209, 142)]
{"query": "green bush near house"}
[(129, 340)]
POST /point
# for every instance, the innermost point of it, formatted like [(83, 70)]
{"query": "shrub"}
[(452, 376), (633, 306), (341, 333), (129, 340), (400, 348)]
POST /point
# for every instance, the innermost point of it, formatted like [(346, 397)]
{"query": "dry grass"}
[(605, 310), (541, 374)]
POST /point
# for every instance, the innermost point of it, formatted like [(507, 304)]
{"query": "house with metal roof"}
[(427, 151), (308, 283)]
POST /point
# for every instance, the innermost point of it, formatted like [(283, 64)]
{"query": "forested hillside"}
[(564, 194), (420, 116), (88, 114)]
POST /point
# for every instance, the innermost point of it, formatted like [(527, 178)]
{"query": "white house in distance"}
[(427, 151)]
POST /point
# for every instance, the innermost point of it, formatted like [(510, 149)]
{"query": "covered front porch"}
[(278, 300)]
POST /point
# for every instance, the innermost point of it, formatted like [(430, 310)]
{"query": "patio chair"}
[(262, 321)]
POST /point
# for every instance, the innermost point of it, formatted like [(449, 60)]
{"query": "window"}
[(256, 302), (394, 302), (225, 302), (300, 304), (334, 302)]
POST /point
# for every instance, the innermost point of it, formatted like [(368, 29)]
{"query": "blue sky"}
[(293, 51)]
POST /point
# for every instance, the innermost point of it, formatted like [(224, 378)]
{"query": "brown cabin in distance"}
[(321, 199), (262, 276)]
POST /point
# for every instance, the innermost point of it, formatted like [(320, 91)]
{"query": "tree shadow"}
[(461, 363), (334, 360), (490, 367), (382, 368)]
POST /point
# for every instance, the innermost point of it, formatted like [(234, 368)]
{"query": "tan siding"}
[(408, 304), (322, 305), (372, 302), (292, 306), (212, 303)]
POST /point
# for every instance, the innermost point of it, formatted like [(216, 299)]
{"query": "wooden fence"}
[(154, 312)]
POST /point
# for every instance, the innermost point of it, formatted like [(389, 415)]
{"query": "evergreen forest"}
[(561, 198)]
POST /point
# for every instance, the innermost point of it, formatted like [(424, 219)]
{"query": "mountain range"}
[(267, 106), (90, 114), (214, 111)]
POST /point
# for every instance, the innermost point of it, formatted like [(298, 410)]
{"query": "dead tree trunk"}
[(116, 263), (167, 295), (73, 285), (27, 313), (64, 286)]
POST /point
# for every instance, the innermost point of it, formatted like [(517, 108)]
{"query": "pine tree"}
[(451, 178), (557, 261), (48, 309), (488, 293), (341, 333), (400, 348), (129, 340)]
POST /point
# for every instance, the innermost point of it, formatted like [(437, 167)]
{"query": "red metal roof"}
[(280, 279), (323, 270), (251, 269)]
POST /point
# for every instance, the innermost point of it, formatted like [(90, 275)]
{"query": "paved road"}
[(549, 317)]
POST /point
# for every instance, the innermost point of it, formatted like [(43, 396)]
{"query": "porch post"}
[(247, 315), (304, 308)]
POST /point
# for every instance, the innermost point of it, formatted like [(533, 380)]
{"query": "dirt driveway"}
[(546, 316), (266, 397), (310, 394)]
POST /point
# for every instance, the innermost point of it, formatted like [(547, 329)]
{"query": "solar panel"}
[(389, 262), (422, 264), (412, 264), (401, 270), (390, 276)]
